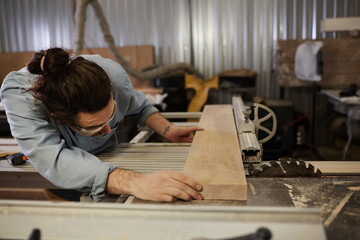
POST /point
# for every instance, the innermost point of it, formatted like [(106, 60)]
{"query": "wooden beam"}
[(340, 24), (337, 168), (39, 194), (215, 158)]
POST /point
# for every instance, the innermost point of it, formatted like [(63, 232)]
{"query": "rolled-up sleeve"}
[(130, 101)]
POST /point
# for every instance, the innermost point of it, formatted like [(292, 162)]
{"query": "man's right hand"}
[(166, 186)]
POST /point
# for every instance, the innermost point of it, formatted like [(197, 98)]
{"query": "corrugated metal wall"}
[(213, 35), (31, 25)]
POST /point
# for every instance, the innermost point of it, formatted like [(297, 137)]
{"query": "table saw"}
[(317, 207)]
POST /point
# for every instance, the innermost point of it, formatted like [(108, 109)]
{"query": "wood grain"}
[(215, 159)]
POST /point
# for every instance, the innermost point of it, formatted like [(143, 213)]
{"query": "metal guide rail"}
[(116, 221)]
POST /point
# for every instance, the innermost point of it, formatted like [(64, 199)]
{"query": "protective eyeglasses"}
[(95, 129)]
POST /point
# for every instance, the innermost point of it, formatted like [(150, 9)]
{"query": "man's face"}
[(95, 124)]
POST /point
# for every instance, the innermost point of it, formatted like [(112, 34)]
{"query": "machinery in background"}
[(251, 144), (234, 83), (229, 84)]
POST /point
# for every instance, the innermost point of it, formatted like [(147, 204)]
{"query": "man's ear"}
[(53, 115)]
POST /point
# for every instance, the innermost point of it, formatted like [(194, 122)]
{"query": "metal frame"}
[(154, 221)]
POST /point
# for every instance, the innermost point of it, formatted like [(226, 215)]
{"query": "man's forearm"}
[(159, 124), (119, 181)]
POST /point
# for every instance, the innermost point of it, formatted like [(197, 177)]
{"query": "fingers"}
[(183, 134), (185, 179), (194, 129), (183, 194), (187, 130), (188, 135), (198, 128), (166, 186), (185, 187)]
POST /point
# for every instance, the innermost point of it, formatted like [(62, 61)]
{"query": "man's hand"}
[(166, 185), (174, 133), (181, 134)]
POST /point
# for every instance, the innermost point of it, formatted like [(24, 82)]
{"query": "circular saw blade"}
[(286, 168)]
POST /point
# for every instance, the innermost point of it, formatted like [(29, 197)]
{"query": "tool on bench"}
[(260, 234), (34, 235), (16, 159)]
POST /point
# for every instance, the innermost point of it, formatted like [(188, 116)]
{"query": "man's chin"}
[(99, 135)]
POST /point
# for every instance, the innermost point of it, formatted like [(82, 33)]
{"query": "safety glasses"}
[(95, 129)]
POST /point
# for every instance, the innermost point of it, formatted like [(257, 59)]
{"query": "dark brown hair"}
[(68, 86)]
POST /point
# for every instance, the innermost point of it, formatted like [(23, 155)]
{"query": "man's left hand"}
[(181, 134)]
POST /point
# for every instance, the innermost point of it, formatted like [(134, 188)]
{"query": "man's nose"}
[(106, 129)]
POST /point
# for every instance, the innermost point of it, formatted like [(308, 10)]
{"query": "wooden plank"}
[(340, 24), (12, 62), (8, 146), (215, 159), (139, 57), (28, 194), (337, 168), (24, 179)]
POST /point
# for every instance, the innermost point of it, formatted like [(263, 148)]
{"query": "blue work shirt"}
[(59, 154)]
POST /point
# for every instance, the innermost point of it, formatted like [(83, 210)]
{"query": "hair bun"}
[(52, 61), (34, 65), (55, 61)]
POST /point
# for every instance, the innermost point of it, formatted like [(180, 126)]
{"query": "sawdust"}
[(299, 201), (252, 189)]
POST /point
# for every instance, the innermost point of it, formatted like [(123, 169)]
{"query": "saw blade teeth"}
[(293, 163), (284, 161), (286, 167), (302, 164), (264, 167), (311, 167), (318, 172), (273, 163)]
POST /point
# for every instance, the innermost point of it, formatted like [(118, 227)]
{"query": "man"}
[(62, 111)]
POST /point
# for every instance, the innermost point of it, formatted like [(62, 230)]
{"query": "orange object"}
[(201, 88)]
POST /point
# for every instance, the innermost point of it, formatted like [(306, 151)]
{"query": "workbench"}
[(335, 199), (292, 208), (350, 107)]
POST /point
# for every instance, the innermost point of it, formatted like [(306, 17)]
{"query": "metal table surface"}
[(349, 106), (336, 197)]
